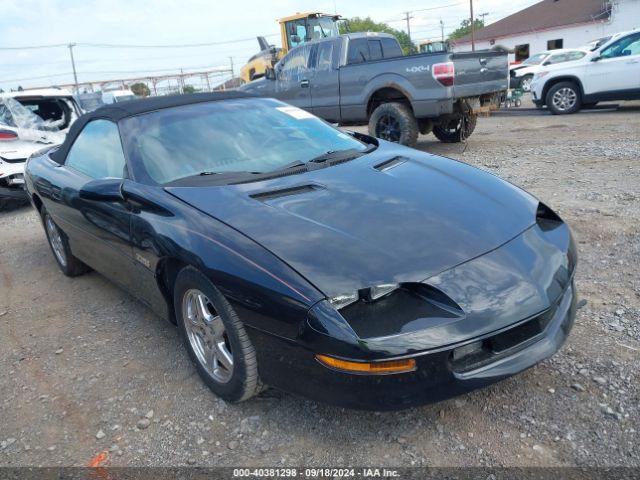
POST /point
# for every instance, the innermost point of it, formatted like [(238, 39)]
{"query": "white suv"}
[(612, 72), (522, 74)]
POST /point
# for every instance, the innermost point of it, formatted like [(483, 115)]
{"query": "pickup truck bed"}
[(364, 78)]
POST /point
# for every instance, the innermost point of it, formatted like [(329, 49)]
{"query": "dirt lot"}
[(82, 362)]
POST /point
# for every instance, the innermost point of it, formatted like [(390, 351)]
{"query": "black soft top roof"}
[(118, 111)]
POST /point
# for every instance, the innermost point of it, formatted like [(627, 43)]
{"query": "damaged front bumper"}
[(517, 305)]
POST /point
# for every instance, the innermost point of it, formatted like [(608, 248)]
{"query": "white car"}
[(115, 96), (611, 72), (522, 74), (22, 134), (57, 107)]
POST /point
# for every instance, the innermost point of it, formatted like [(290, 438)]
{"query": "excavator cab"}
[(294, 30), (303, 28)]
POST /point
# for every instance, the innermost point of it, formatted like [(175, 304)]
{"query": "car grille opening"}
[(482, 352)]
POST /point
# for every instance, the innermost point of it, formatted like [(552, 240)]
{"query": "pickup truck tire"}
[(563, 98), (394, 122), (451, 131)]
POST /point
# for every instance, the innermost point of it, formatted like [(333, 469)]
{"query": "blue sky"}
[(142, 22)]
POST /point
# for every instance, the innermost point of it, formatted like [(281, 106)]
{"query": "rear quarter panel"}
[(410, 74)]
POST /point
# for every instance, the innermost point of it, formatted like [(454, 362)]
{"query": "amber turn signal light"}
[(391, 366)]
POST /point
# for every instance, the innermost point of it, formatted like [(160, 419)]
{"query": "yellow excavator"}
[(433, 46), (294, 30)]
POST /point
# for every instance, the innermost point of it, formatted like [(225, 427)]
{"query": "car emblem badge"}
[(143, 260)]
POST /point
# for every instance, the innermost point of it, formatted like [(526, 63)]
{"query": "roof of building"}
[(547, 14), (118, 111)]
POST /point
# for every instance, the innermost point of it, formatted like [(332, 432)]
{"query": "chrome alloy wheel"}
[(207, 335), (564, 99), (55, 239)]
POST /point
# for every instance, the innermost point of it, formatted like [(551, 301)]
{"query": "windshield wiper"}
[(202, 174), (294, 164), (347, 154)]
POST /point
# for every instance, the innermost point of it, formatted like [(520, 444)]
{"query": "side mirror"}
[(595, 58), (103, 190), (295, 39), (270, 73)]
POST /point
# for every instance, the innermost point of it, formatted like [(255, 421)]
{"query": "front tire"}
[(70, 265), (215, 338), (394, 122), (564, 98)]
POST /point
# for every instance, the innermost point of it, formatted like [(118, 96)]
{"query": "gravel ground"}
[(87, 369)]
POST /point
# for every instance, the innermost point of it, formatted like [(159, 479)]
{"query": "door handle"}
[(304, 83)]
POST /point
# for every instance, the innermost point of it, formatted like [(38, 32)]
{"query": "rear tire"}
[(394, 122), (457, 129), (215, 338), (563, 98), (70, 265)]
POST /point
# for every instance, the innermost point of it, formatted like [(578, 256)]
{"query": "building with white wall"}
[(552, 24)]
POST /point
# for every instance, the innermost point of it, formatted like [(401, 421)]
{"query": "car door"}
[(324, 81), (615, 69), (292, 78), (98, 231)]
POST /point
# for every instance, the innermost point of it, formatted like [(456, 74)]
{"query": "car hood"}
[(22, 149), (526, 69), (353, 225)]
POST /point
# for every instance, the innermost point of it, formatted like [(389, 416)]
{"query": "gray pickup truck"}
[(363, 78)]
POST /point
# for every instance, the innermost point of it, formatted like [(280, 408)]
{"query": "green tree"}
[(140, 89), (465, 28), (358, 24), (189, 89)]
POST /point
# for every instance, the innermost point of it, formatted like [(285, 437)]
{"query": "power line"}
[(184, 45), (35, 47), (114, 45)]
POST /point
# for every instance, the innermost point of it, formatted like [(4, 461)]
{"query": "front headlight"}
[(370, 294)]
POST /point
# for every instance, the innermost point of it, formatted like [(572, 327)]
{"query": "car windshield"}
[(239, 135), (535, 59), (14, 114)]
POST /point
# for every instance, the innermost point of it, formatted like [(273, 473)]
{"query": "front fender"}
[(266, 293)]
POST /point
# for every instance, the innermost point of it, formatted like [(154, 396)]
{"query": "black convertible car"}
[(291, 254)]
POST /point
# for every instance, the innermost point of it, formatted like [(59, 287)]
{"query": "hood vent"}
[(285, 192), (389, 164)]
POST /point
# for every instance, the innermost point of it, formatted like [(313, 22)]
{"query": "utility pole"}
[(408, 17), (232, 72), (483, 15), (73, 65), (442, 29), (473, 28)]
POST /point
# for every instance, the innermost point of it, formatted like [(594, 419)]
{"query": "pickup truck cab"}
[(611, 72), (363, 78)]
